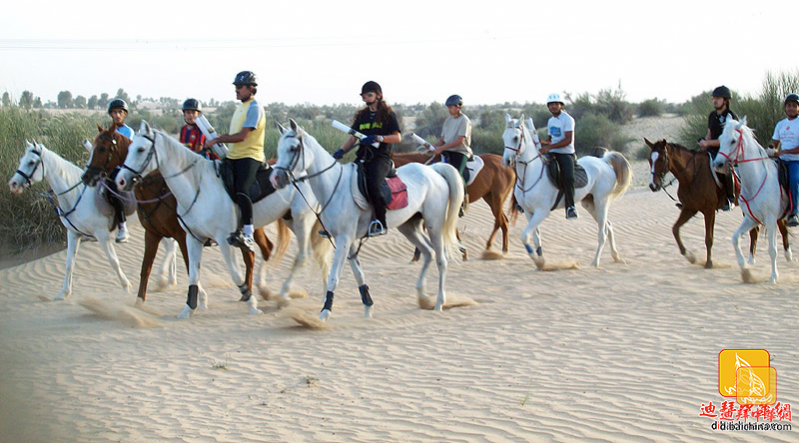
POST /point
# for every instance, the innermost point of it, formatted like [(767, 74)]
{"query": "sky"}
[(321, 52)]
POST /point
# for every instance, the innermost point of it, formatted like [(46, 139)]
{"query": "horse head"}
[(141, 158), (659, 163), (30, 170), (107, 152), (732, 142), (293, 158), (514, 140)]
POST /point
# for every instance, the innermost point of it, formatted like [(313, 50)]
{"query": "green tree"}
[(26, 100), (121, 94), (103, 102), (7, 100), (80, 102), (64, 99), (37, 103), (92, 103)]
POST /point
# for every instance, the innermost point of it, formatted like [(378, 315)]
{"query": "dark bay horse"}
[(697, 192), (157, 209), (494, 183)]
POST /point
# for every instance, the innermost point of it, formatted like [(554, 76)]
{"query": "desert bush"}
[(651, 108), (595, 130)]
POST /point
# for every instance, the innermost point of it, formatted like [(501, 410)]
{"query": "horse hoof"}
[(139, 303), (325, 315), (709, 265), (690, 257), (60, 297), (163, 282), (437, 308), (368, 312), (255, 311), (127, 287), (187, 312)]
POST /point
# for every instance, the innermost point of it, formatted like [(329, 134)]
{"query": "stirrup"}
[(324, 234), (791, 221), (572, 213), (376, 228)]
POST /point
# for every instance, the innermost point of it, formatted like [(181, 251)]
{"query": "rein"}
[(739, 152), (518, 150)]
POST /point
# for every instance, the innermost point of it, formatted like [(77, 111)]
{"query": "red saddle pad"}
[(399, 193)]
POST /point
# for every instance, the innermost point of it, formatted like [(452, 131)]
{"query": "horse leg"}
[(747, 224), (772, 236), (464, 256), (787, 247), (412, 230), (194, 250), (685, 215), (181, 240), (709, 218), (73, 242), (534, 219), (358, 272), (753, 244), (151, 241), (415, 258), (236, 275), (441, 263), (266, 247), (104, 240), (303, 227), (249, 258), (169, 270), (343, 243)]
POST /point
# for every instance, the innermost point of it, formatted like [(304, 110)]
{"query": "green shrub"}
[(594, 130), (651, 108)]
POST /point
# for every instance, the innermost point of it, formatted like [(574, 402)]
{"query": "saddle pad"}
[(580, 178), (474, 166), (261, 188), (393, 186), (399, 194)]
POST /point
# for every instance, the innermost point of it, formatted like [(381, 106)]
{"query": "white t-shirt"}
[(453, 129), (788, 132), (557, 127)]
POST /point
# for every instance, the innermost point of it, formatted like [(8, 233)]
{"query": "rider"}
[(118, 110), (379, 123), (191, 136), (721, 99), (787, 134), (455, 140), (560, 143), (247, 129)]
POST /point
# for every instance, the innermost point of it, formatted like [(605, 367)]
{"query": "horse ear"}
[(508, 118), (743, 122), (145, 128), (99, 128), (649, 144), (87, 145), (294, 125), (280, 128), (521, 119)]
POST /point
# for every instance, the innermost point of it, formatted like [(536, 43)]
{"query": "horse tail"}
[(456, 186), (514, 210), (284, 236), (623, 170), (320, 249)]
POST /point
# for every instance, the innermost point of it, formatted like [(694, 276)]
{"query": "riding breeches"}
[(566, 163), (457, 160), (244, 174), (375, 171)]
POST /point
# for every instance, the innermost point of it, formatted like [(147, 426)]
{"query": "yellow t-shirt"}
[(249, 114)]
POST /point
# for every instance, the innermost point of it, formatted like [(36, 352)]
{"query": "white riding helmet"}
[(555, 97)]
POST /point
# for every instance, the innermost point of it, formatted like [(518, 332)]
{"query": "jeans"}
[(794, 168)]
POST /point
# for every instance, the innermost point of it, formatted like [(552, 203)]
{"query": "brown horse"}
[(157, 210), (697, 192), (494, 183)]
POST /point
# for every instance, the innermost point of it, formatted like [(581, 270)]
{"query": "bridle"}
[(93, 170), (734, 160), (667, 163), (518, 151), (29, 176)]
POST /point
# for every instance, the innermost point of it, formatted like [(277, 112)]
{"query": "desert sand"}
[(620, 353)]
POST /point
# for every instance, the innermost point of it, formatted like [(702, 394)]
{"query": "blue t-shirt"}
[(125, 131)]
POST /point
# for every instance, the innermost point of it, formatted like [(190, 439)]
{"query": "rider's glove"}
[(338, 154), (369, 140)]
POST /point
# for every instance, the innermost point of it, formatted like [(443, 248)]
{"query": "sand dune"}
[(623, 353)]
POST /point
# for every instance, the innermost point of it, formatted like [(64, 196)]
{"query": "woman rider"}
[(379, 123), (455, 140)]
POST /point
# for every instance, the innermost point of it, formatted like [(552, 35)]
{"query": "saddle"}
[(103, 199), (580, 178), (474, 166), (393, 190), (261, 188)]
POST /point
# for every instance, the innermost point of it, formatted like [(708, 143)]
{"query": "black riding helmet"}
[(192, 105), (791, 97), (722, 91), (246, 78), (371, 87), (117, 104), (455, 99)]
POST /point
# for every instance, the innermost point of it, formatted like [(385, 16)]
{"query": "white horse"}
[(761, 198), (608, 178), (208, 211), (434, 192), (76, 206)]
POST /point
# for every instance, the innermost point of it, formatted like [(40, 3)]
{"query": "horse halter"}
[(95, 170), (517, 150), (295, 158), (665, 169), (739, 152), (29, 176), (152, 152)]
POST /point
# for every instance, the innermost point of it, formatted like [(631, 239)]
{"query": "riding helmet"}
[(455, 99), (246, 78), (555, 97), (192, 105), (371, 87), (117, 104), (722, 91), (792, 97)]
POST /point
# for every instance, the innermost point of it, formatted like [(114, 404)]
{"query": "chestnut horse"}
[(493, 183), (697, 192), (156, 208)]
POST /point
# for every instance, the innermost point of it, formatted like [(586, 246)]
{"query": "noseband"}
[(28, 177), (95, 170), (664, 170), (152, 152)]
